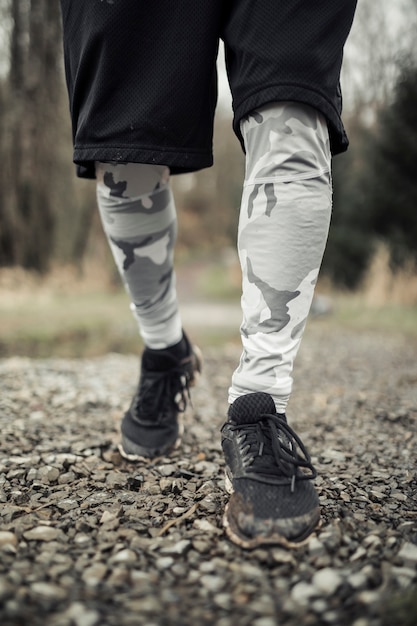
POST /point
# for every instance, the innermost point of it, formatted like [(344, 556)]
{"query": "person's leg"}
[(284, 221), (139, 218), (283, 228)]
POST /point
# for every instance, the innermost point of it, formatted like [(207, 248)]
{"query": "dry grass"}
[(70, 313), (16, 283), (382, 286), (386, 302)]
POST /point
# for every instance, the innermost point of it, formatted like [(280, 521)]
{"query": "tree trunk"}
[(27, 215)]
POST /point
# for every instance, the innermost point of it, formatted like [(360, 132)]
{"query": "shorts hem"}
[(179, 161), (294, 93)]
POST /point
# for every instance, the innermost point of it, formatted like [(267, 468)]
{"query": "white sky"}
[(356, 64)]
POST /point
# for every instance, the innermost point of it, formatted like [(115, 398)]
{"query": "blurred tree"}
[(371, 80), (47, 214), (29, 123), (392, 189), (208, 201), (351, 245)]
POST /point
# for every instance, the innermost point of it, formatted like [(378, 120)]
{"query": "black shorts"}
[(142, 75)]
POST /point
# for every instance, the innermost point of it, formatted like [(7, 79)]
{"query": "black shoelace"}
[(271, 449), (162, 393)]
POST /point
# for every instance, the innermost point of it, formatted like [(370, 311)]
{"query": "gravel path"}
[(88, 540)]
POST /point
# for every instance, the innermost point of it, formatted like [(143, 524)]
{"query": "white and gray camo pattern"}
[(284, 221), (139, 218)]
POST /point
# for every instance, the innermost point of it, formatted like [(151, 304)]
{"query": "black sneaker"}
[(268, 473), (151, 426)]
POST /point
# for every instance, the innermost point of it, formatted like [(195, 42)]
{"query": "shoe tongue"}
[(248, 409), (158, 361), (165, 359)]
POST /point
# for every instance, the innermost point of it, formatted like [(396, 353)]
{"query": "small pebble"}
[(48, 591), (212, 583), (327, 581), (124, 556), (94, 574), (43, 533), (302, 593), (7, 538), (408, 552)]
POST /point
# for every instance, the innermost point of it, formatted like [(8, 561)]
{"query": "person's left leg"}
[(138, 214), (139, 218), (283, 229)]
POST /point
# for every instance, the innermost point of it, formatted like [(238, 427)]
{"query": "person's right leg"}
[(283, 228), (279, 52)]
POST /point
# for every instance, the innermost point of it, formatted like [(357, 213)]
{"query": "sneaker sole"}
[(145, 454), (234, 533)]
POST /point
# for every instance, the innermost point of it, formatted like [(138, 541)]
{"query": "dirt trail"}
[(87, 539)]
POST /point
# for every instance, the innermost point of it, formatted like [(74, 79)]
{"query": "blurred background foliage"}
[(48, 218)]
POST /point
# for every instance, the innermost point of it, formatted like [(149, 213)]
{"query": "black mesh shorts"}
[(142, 76)]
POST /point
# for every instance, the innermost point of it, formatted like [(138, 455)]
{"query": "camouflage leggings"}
[(284, 220), (138, 214)]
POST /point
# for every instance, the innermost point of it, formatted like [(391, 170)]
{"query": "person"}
[(142, 88)]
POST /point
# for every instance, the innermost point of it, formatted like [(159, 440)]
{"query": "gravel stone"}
[(178, 548), (264, 621), (167, 470), (357, 580), (206, 526), (212, 583), (7, 539), (47, 591), (408, 552), (164, 562), (80, 615), (124, 556), (43, 533), (327, 581), (404, 575), (94, 574), (302, 593)]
